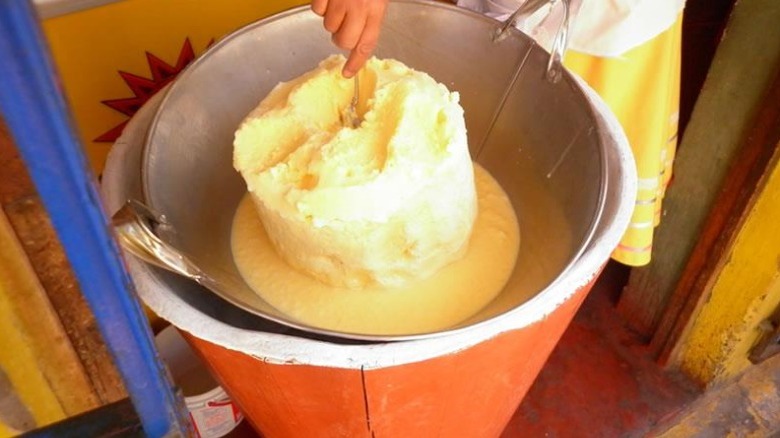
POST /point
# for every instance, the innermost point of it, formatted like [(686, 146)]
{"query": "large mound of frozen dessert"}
[(384, 203)]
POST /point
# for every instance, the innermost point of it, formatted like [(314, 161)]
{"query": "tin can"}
[(212, 412)]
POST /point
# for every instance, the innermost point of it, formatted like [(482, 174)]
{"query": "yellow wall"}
[(744, 291), (92, 46)]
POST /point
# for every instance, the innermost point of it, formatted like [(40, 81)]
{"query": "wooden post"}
[(741, 293), (65, 347), (30, 223), (741, 72)]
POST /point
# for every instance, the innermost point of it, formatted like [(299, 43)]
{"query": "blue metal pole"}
[(36, 113)]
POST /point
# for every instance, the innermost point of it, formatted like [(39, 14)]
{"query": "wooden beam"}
[(30, 222), (41, 251), (14, 181), (742, 291), (723, 223), (44, 371), (741, 72)]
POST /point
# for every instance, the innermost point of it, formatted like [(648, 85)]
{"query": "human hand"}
[(354, 25)]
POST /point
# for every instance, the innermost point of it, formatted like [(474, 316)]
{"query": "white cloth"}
[(606, 28)]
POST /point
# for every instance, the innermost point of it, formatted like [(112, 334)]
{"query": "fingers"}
[(354, 25), (319, 7), (333, 13), (335, 16), (361, 50), (348, 34), (365, 46)]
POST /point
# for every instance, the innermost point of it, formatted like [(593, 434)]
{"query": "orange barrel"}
[(445, 387), (290, 383)]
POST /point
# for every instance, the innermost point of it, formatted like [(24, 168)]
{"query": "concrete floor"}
[(600, 381)]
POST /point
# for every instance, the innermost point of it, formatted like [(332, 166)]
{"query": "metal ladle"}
[(350, 116)]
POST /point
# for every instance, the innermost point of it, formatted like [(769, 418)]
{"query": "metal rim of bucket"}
[(591, 229), (121, 179)]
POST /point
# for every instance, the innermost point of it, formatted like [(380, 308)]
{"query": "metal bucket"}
[(466, 381), (539, 138)]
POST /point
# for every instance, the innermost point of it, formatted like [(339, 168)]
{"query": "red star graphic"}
[(144, 88)]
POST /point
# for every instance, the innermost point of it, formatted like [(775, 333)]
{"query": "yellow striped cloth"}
[(642, 88)]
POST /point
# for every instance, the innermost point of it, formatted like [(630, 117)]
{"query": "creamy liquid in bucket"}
[(453, 294)]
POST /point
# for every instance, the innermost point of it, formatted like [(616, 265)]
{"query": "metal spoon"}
[(350, 113)]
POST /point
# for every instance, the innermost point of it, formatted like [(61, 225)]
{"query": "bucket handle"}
[(554, 70), (134, 224)]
